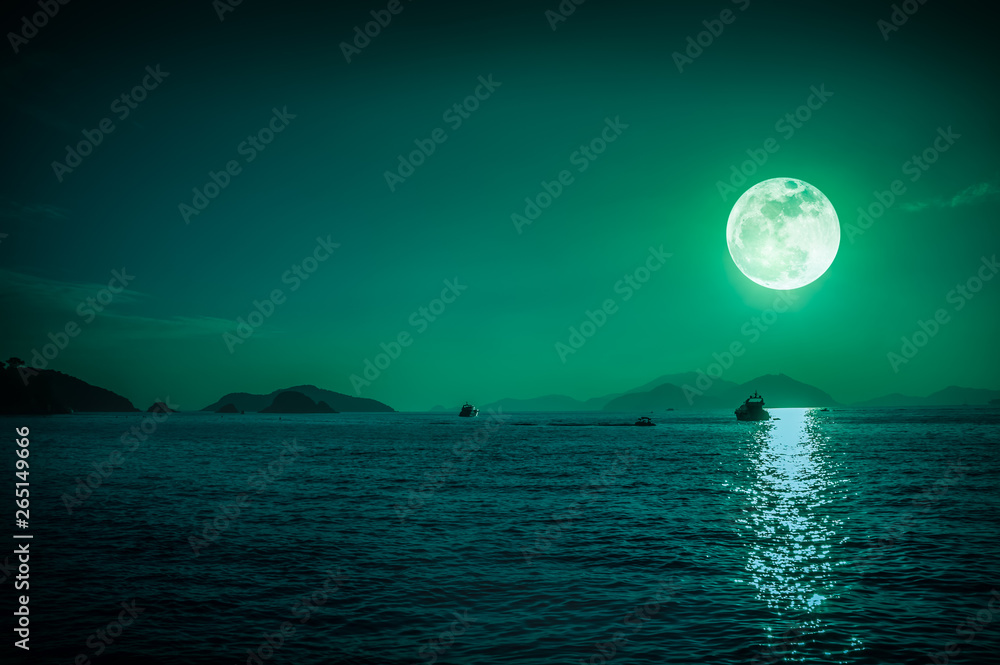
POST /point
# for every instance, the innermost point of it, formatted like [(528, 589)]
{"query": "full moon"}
[(783, 233)]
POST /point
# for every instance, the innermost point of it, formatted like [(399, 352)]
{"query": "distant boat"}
[(469, 411), (644, 421), (752, 409)]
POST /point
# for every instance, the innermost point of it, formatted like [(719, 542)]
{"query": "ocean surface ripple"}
[(842, 536)]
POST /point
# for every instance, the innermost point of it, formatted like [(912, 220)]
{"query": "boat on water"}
[(644, 421), (468, 411), (752, 409)]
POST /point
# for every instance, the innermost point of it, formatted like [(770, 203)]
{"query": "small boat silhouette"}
[(752, 409), (644, 421), (468, 411)]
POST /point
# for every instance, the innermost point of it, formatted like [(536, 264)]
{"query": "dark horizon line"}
[(854, 404)]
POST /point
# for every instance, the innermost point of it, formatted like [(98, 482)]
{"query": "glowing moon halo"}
[(783, 233)]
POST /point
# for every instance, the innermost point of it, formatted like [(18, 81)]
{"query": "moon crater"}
[(783, 233)]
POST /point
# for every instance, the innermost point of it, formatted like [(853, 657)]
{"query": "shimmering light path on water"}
[(820, 537)]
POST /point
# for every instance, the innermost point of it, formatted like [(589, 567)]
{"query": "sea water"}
[(841, 536)]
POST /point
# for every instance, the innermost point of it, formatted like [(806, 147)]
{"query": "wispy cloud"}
[(967, 196), (60, 295), (10, 209), (173, 327), (42, 298)]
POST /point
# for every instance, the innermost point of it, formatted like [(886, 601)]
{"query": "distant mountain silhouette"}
[(160, 407), (546, 403), (228, 408), (667, 392), (597, 403), (30, 391), (778, 391), (893, 400), (662, 397), (950, 396), (291, 401), (686, 378), (956, 396), (337, 401)]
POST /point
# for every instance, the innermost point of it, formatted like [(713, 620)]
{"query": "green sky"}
[(552, 91)]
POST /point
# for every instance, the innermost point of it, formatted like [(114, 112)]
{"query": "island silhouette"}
[(336, 402), (28, 391), (291, 401), (25, 390)]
